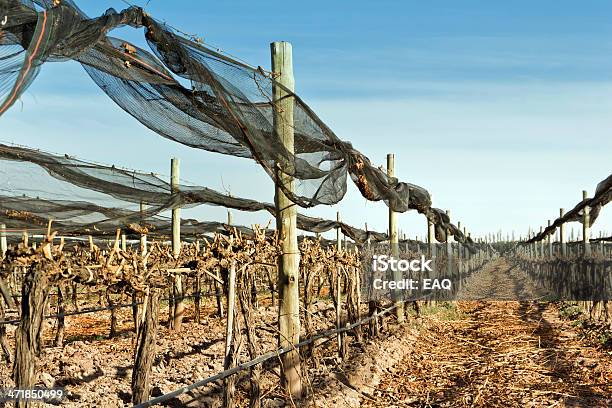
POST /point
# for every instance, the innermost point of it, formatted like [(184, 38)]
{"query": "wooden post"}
[(123, 242), (340, 337), (562, 233), (431, 237), (3, 245), (176, 211), (145, 348), (465, 252), (394, 244), (143, 237), (586, 226), (549, 238), (541, 244), (179, 306), (459, 245), (449, 250), (286, 221), (230, 344)]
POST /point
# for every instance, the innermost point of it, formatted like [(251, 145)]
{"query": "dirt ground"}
[(96, 371), (468, 353), (485, 354)]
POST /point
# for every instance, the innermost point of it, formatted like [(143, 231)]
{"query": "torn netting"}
[(602, 196), (83, 196), (227, 108)]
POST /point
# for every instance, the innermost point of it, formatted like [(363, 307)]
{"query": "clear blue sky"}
[(502, 110)]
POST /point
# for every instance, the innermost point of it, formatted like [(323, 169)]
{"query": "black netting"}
[(92, 198), (228, 106), (602, 196)]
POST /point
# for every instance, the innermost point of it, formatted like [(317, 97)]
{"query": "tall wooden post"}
[(176, 212), (394, 243), (459, 255), (286, 223), (179, 307), (143, 237), (3, 245), (339, 292), (123, 242), (549, 239), (562, 233), (431, 236), (586, 226), (449, 250), (541, 245)]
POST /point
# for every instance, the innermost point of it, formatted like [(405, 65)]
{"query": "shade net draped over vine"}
[(194, 95), (602, 196), (92, 198)]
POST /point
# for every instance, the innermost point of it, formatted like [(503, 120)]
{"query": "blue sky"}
[(502, 110)]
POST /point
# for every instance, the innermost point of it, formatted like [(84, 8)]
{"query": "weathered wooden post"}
[(431, 239), (143, 237), (123, 242), (459, 255), (286, 222), (562, 234), (449, 249), (231, 351), (549, 237), (176, 211), (541, 253), (179, 306), (586, 226), (341, 349), (466, 234), (394, 244), (3, 245)]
